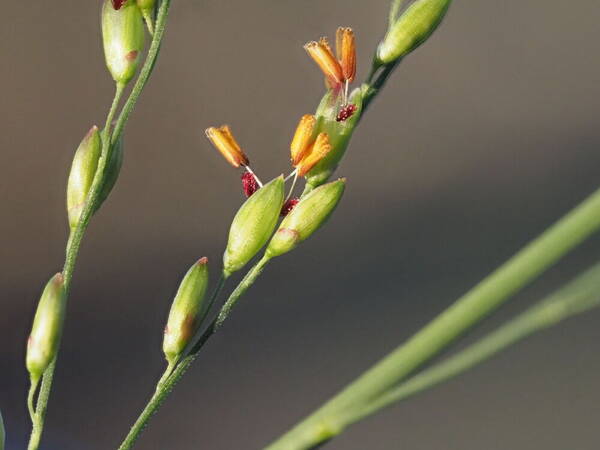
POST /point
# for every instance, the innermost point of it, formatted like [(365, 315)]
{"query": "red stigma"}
[(288, 206), (346, 112), (249, 184), (118, 3)]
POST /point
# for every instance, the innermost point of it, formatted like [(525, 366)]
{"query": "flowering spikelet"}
[(307, 217), (224, 141), (288, 206), (249, 184), (318, 151), (187, 311)]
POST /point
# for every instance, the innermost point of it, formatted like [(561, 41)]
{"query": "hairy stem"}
[(467, 311), (76, 237), (157, 38), (72, 252), (165, 385)]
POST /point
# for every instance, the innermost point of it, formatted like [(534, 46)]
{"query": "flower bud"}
[(411, 29), (123, 36), (82, 174), (338, 131), (307, 217), (43, 341), (253, 225), (187, 311)]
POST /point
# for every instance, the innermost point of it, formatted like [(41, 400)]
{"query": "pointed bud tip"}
[(202, 261), (59, 278), (91, 132)]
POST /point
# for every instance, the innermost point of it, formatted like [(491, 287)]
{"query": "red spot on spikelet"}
[(346, 112), (118, 3), (288, 206), (131, 55), (249, 184)]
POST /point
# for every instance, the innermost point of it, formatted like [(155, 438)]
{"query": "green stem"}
[(157, 37), (73, 245), (30, 397), (373, 88), (475, 305), (74, 242), (166, 385), (577, 297), (241, 288)]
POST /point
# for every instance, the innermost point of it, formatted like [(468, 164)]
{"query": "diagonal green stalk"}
[(467, 311), (73, 246), (577, 297), (76, 237), (168, 382)]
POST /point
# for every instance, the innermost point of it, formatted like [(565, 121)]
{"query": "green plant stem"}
[(241, 288), (157, 37), (73, 245), (475, 305), (577, 297), (166, 385), (373, 88), (76, 237)]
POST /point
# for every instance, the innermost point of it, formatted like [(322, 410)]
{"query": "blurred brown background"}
[(484, 136)]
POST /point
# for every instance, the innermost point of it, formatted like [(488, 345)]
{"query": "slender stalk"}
[(157, 37), (373, 87), (577, 297), (394, 10), (474, 306), (74, 242), (166, 385), (72, 252), (241, 288)]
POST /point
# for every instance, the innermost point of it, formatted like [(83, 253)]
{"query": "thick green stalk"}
[(76, 237), (475, 305), (166, 384), (579, 296)]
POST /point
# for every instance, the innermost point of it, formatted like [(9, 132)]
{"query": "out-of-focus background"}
[(482, 138)]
